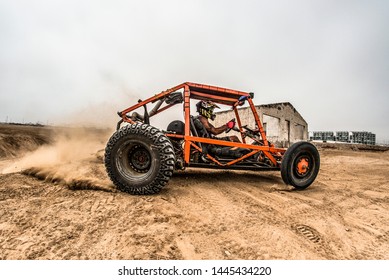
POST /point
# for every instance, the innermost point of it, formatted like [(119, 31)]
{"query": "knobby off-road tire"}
[(139, 159), (300, 165)]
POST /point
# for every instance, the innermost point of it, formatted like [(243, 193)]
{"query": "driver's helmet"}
[(205, 108)]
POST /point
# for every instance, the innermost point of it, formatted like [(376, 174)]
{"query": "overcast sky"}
[(330, 59)]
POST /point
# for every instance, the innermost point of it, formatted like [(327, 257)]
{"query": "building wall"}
[(281, 121)]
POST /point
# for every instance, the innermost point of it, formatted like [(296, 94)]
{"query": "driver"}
[(205, 110)]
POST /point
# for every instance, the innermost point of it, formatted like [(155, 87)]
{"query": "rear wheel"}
[(300, 165), (139, 159)]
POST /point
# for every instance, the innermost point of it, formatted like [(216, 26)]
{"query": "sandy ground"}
[(57, 203)]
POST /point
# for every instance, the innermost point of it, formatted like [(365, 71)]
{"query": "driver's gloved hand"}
[(231, 124)]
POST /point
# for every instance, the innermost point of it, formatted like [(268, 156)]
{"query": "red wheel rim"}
[(302, 166)]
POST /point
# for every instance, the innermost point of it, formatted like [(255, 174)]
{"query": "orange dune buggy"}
[(140, 158)]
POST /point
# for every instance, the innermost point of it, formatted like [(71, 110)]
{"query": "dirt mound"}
[(18, 140)]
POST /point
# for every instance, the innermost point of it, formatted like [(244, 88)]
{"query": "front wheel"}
[(139, 159), (300, 165)]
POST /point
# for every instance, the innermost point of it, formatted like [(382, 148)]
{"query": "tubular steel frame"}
[(219, 95)]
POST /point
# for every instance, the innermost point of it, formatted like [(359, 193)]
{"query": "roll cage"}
[(183, 93)]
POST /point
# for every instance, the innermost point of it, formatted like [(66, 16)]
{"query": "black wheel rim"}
[(139, 158), (134, 160)]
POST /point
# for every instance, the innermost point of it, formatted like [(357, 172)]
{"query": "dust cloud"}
[(73, 158)]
